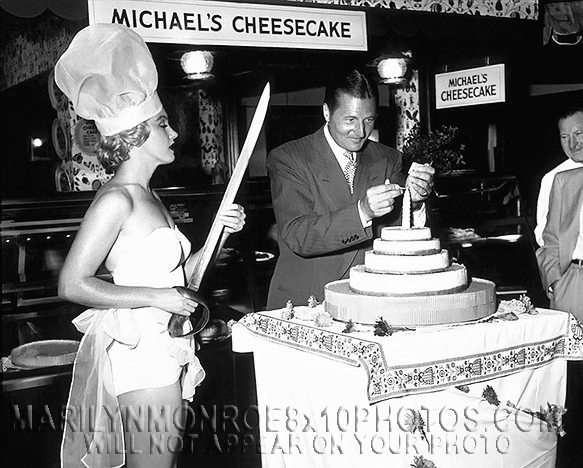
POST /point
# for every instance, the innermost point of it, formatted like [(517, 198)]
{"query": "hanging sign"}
[(484, 85), (236, 24)]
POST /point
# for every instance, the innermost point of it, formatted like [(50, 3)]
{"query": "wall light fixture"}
[(197, 64)]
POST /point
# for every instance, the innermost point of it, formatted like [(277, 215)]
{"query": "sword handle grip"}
[(199, 318)]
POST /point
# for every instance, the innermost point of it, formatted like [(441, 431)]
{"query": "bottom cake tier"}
[(475, 302)]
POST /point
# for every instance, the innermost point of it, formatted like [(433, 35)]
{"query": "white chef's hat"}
[(109, 75)]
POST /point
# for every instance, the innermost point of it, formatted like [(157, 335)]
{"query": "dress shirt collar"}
[(336, 148)]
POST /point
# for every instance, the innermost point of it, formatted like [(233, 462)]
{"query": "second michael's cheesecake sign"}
[(484, 85)]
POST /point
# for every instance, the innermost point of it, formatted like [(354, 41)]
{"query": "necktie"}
[(350, 169)]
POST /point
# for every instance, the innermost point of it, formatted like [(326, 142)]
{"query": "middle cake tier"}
[(452, 279), (387, 263)]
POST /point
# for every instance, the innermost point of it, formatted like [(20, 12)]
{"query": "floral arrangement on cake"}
[(438, 148)]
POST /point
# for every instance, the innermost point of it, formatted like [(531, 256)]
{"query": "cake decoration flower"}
[(507, 316), (553, 416), (489, 394), (509, 310), (349, 328), (323, 319), (384, 328), (513, 305), (530, 308), (421, 462), (313, 302), (414, 422), (288, 312), (463, 388)]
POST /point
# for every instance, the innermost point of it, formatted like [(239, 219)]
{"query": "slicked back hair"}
[(354, 84)]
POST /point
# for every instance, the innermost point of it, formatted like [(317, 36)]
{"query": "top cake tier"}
[(398, 233), (400, 241)]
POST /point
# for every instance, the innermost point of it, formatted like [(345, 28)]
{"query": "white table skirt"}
[(316, 411)]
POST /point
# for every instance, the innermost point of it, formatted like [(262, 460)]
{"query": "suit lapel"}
[(367, 175), (328, 172)]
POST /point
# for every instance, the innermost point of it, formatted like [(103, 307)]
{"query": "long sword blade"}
[(175, 325), (229, 197)]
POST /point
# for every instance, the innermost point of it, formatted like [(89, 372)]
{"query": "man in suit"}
[(560, 262), (570, 125), (328, 187), (560, 259)]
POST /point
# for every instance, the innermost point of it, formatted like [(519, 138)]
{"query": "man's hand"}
[(379, 200), (420, 181)]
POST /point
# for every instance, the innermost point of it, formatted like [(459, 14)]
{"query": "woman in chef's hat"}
[(130, 377)]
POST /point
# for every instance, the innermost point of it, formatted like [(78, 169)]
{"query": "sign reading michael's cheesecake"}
[(236, 24), (484, 85)]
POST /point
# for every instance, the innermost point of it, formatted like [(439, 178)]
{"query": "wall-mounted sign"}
[(236, 24), (484, 85)]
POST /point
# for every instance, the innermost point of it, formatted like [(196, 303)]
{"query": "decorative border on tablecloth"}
[(385, 381), (438, 375), (315, 340)]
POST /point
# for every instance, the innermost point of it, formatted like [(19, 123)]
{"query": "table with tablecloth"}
[(487, 393)]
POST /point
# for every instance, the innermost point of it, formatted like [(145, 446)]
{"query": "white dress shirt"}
[(578, 252)]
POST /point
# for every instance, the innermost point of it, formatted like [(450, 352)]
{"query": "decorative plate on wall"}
[(57, 97), (86, 136), (61, 138), (62, 180)]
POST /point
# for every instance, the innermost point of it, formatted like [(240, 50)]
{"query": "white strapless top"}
[(154, 260)]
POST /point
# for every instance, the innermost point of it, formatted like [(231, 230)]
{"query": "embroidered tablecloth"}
[(450, 396), (431, 358)]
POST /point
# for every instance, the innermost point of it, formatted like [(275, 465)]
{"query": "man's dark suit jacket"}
[(320, 234)]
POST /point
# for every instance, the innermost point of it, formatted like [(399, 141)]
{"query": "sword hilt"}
[(199, 318)]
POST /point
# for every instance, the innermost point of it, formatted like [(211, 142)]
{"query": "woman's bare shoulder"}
[(112, 200)]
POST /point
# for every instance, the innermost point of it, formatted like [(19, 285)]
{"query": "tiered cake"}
[(409, 281)]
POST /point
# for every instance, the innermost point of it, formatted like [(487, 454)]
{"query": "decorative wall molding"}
[(408, 109), (35, 50), (521, 9), (32, 52)]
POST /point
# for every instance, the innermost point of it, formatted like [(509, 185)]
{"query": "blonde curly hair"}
[(113, 150)]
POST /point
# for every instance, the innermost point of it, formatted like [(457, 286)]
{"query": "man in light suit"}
[(560, 262), (324, 217), (560, 259), (571, 134)]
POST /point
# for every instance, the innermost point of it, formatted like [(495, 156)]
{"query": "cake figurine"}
[(409, 279)]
